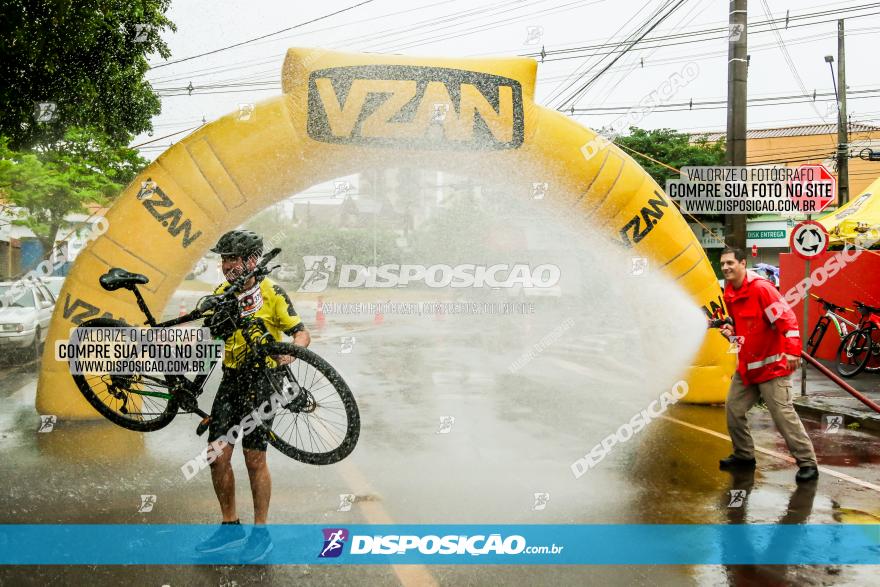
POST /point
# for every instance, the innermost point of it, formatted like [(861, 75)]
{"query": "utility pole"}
[(842, 134), (737, 75)]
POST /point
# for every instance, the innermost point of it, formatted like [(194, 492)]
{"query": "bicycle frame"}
[(189, 390), (840, 323), (179, 383)]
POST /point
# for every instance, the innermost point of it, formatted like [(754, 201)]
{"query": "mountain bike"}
[(831, 316), (316, 422), (860, 349)]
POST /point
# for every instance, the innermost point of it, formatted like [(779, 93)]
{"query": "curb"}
[(866, 420)]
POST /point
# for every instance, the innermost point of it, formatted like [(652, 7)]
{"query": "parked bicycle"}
[(833, 315), (318, 422), (860, 349)]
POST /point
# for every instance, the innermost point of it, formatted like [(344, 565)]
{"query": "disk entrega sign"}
[(415, 107)]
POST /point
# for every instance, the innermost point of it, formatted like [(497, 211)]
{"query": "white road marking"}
[(766, 451), (376, 514), (779, 455)]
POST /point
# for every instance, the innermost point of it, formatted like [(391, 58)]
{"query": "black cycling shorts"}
[(241, 391)]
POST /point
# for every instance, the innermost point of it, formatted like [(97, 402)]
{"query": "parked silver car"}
[(25, 313)]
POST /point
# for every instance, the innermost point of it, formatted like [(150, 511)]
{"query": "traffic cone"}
[(320, 319)]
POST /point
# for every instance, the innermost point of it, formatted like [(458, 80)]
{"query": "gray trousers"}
[(777, 396)]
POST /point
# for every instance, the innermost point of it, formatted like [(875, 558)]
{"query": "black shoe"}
[(735, 462), (228, 536), (259, 544), (806, 474)]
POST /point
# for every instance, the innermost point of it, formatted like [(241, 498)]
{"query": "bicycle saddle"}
[(866, 307), (116, 278)]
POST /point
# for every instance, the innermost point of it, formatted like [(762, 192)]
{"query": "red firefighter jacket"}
[(765, 340)]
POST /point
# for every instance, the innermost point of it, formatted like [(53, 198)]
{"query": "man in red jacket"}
[(770, 350)]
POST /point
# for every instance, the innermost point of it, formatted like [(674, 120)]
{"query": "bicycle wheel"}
[(142, 403), (873, 364), (853, 353), (319, 424)]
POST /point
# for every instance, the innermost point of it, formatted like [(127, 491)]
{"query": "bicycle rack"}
[(840, 382)]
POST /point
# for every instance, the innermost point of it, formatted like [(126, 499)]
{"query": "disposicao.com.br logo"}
[(320, 268), (430, 544), (334, 541)]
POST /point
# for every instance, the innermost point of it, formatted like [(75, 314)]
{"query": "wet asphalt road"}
[(513, 435)]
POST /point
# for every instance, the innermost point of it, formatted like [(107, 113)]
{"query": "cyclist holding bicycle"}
[(243, 389)]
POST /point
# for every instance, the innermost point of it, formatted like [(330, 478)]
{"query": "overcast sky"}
[(520, 27)]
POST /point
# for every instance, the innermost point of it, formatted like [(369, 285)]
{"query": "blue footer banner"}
[(531, 544)]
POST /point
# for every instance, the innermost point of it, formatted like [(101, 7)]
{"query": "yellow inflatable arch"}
[(342, 113)]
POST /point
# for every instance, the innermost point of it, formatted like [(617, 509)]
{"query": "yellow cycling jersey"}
[(269, 302)]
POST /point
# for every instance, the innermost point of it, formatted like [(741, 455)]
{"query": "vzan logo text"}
[(634, 230), (715, 309), (78, 311), (415, 107), (152, 197)]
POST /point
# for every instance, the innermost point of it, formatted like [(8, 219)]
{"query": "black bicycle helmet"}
[(242, 243)]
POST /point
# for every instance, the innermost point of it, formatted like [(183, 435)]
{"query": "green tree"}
[(88, 57), (52, 182), (672, 148), (350, 246), (458, 233), (677, 150)]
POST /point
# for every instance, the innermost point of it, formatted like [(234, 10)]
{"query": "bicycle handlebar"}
[(865, 308), (212, 301), (829, 306), (259, 271)]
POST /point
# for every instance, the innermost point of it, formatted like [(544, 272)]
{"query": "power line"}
[(371, 35), (704, 56), (605, 93), (787, 56), (494, 24), (585, 63), (429, 22), (674, 36), (165, 137), (361, 22), (255, 84), (690, 42), (756, 125), (637, 36), (284, 30), (714, 104), (785, 160), (488, 27), (770, 21), (391, 31), (248, 80)]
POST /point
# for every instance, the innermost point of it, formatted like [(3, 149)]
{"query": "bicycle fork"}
[(818, 333)]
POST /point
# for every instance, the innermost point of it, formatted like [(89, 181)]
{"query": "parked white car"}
[(24, 316), (53, 284)]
